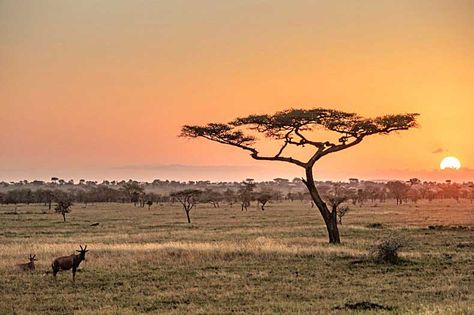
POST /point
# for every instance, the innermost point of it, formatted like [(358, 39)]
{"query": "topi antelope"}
[(30, 265), (68, 262)]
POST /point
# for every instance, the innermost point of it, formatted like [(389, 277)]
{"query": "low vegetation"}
[(229, 261), (387, 250)]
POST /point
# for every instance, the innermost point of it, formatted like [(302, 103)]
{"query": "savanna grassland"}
[(229, 261)]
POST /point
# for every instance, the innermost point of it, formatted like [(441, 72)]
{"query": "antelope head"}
[(82, 252), (32, 258)]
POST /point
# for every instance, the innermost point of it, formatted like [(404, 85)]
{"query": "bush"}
[(386, 250), (375, 225)]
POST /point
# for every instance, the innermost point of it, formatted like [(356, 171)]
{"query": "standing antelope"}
[(30, 265), (68, 262)]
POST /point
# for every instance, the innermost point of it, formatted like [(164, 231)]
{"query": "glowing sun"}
[(450, 162)]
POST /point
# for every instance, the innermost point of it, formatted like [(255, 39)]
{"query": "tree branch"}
[(305, 140), (282, 149), (254, 152), (278, 158)]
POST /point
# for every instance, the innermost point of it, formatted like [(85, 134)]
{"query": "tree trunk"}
[(330, 218), (187, 216), (64, 217)]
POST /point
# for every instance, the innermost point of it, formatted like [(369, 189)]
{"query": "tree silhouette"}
[(211, 196), (246, 193), (149, 203), (263, 197), (335, 199), (63, 207), (292, 127), (133, 190), (398, 190), (188, 198)]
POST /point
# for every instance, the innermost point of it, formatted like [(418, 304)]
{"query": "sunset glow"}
[(236, 156), (450, 162), (100, 89)]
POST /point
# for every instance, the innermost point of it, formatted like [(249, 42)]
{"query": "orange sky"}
[(99, 89)]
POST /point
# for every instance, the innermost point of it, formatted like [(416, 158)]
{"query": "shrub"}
[(386, 250), (375, 225)]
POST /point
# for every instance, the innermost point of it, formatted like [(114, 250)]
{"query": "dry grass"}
[(228, 261)]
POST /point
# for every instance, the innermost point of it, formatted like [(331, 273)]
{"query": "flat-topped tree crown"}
[(292, 127)]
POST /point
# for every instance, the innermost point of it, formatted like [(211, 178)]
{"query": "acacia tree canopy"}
[(292, 126)]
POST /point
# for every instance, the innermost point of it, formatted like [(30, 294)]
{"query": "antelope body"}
[(67, 262), (30, 265)]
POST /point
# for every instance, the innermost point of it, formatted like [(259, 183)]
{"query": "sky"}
[(100, 89)]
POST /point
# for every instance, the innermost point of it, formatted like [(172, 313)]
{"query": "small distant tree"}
[(211, 196), (188, 198), (277, 195), (398, 190), (142, 199), (264, 197), (413, 194), (281, 181), (246, 193), (362, 195), (135, 198), (341, 212), (335, 199), (149, 203), (133, 190), (471, 193), (229, 196), (63, 207), (302, 196), (292, 128), (451, 190)]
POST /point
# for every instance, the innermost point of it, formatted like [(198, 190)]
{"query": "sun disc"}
[(450, 162)]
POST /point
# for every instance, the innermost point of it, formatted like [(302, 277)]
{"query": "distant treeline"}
[(88, 194), (141, 193)]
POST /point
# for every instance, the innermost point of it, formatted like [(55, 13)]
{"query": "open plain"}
[(233, 261)]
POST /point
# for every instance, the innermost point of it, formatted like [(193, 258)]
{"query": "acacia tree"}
[(213, 197), (63, 207), (292, 127), (245, 194), (398, 190), (133, 190), (188, 198), (335, 199), (48, 197), (229, 196), (263, 197)]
